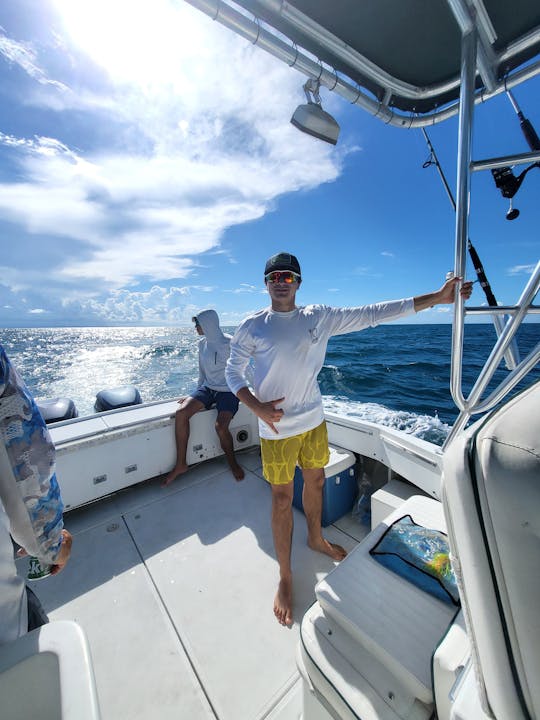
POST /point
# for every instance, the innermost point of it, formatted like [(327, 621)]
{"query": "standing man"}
[(30, 503), (212, 389), (288, 346)]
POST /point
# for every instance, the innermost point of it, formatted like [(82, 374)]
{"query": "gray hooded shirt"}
[(213, 352)]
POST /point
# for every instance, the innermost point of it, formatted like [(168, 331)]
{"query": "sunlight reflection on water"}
[(79, 362)]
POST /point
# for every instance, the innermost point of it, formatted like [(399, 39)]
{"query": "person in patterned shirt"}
[(31, 506)]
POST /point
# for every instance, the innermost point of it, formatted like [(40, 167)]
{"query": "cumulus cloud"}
[(167, 147), (156, 306)]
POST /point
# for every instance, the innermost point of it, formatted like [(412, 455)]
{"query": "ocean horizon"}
[(395, 374)]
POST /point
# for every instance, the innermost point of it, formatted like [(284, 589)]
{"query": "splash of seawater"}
[(425, 427)]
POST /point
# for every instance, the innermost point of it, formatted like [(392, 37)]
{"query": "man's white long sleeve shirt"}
[(288, 351)]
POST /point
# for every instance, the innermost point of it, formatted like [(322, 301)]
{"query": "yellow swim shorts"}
[(280, 457)]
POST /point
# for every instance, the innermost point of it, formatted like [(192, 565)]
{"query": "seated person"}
[(212, 389)]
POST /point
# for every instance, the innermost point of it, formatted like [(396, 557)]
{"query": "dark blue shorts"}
[(224, 401)]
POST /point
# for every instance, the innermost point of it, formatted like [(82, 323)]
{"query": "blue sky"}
[(148, 168)]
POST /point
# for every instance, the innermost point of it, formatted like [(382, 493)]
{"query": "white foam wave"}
[(422, 426)]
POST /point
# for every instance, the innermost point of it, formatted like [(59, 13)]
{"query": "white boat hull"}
[(101, 454)]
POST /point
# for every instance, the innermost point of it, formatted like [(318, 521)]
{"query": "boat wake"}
[(426, 427)]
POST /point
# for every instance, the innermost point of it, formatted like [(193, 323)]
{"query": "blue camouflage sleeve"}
[(29, 490)]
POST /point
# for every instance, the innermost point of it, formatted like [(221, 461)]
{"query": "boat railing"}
[(489, 66), (475, 403)]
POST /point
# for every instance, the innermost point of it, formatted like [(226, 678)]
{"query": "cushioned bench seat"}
[(398, 624)]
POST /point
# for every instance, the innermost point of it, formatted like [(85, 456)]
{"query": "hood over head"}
[(209, 321)]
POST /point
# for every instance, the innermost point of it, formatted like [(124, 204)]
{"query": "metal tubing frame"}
[(499, 349), (466, 113), (519, 159), (255, 33), (473, 404), (499, 310), (473, 54)]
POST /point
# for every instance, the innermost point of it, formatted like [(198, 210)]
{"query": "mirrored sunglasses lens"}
[(281, 277)]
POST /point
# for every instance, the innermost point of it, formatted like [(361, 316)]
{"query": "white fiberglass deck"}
[(174, 589)]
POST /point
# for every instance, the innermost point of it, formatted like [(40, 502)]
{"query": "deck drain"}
[(113, 527)]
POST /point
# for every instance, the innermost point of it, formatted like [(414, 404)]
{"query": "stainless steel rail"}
[(477, 57), (520, 159), (474, 404), (252, 30)]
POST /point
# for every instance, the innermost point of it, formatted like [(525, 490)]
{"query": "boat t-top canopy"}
[(413, 63), (398, 59)]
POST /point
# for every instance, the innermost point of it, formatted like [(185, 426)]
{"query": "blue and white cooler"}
[(340, 488)]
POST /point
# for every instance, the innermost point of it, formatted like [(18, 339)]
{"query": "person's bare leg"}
[(282, 528), (189, 407), (312, 501), (225, 438)]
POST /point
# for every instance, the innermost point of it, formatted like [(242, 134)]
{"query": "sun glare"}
[(146, 42)]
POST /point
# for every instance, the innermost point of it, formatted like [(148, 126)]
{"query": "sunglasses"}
[(197, 323), (282, 276)]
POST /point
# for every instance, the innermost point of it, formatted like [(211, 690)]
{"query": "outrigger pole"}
[(511, 357)]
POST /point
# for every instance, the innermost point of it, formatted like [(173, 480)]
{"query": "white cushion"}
[(393, 619), (491, 490)]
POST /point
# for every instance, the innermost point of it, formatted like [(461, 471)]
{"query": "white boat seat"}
[(48, 674), (491, 491), (449, 662), (399, 624)]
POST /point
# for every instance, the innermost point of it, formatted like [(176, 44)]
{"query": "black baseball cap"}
[(282, 261)]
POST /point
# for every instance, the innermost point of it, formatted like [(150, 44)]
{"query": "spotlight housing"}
[(310, 118)]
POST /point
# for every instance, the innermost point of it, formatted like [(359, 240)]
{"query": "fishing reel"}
[(509, 184), (504, 177)]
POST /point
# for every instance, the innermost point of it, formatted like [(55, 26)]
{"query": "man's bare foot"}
[(237, 471), (283, 602), (175, 472), (336, 552)]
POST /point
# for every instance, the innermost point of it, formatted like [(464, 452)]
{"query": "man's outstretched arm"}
[(444, 296)]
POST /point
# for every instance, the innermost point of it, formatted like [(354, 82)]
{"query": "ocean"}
[(397, 375)]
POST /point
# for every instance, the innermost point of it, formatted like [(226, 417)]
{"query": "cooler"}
[(340, 488)]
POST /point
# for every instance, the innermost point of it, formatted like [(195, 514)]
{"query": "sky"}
[(148, 169)]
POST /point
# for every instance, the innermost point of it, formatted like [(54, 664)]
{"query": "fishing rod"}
[(504, 177), (511, 356)]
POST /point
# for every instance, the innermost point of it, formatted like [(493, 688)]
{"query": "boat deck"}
[(174, 589)]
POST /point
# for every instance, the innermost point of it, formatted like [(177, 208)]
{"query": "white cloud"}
[(245, 288), (157, 305), (229, 158), (521, 269), (23, 55), (172, 147), (362, 270)]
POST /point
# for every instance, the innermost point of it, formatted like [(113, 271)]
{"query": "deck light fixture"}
[(312, 119)]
